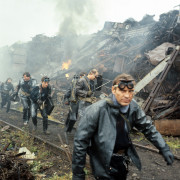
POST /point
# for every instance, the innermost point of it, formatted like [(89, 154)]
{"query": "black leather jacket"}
[(45, 92), (98, 125), (83, 86), (6, 88), (25, 86)]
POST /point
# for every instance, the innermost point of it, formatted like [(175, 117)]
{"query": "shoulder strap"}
[(87, 84), (125, 119), (127, 122)]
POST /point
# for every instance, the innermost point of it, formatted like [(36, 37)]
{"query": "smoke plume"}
[(75, 16)]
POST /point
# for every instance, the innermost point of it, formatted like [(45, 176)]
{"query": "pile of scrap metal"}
[(128, 47), (163, 102)]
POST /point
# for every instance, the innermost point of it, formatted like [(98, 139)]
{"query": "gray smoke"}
[(75, 16), (5, 63)]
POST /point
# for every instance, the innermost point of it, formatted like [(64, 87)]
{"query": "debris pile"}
[(12, 167), (118, 48)]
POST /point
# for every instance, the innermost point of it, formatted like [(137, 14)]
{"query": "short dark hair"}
[(82, 73), (125, 77), (8, 79), (27, 74), (45, 78)]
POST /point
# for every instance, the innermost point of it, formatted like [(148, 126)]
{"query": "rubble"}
[(12, 167), (138, 48)]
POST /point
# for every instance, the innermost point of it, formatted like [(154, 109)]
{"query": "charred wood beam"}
[(158, 83), (166, 112)]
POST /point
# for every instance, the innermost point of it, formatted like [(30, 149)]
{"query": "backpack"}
[(73, 97)]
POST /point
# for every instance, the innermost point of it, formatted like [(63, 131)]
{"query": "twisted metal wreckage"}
[(148, 50)]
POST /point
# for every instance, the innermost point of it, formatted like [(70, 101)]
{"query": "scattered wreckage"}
[(148, 50)]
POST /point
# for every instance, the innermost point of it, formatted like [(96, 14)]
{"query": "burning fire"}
[(66, 65)]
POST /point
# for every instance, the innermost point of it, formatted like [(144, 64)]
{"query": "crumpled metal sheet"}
[(159, 53)]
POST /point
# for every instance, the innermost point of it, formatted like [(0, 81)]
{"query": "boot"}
[(34, 120), (45, 126), (25, 118), (46, 132)]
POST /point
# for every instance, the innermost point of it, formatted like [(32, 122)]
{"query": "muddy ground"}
[(47, 164), (153, 165)]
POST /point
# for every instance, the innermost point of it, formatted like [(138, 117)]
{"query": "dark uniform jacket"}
[(83, 86), (6, 88), (98, 125), (26, 86), (45, 92)]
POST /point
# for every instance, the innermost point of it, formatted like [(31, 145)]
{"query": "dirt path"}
[(153, 165)]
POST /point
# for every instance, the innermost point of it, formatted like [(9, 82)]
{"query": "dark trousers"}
[(5, 100), (72, 117), (34, 108), (82, 106), (26, 102), (118, 168)]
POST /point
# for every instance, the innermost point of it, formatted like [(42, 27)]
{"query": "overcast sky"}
[(20, 20)]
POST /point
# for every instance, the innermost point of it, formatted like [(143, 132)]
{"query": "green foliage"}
[(66, 176), (174, 143)]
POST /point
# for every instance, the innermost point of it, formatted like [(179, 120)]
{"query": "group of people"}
[(32, 96), (81, 94), (104, 126)]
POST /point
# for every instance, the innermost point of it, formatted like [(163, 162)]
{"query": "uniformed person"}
[(25, 86), (71, 99), (103, 133), (85, 89), (6, 89), (43, 102)]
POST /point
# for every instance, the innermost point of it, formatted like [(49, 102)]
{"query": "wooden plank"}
[(168, 126), (150, 76)]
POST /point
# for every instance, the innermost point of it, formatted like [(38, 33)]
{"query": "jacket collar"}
[(132, 106)]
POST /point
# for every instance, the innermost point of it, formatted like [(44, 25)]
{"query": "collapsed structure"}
[(130, 47)]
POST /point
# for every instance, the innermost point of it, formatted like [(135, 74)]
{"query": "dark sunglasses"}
[(123, 84)]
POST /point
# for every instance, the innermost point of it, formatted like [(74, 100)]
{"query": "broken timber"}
[(150, 76), (157, 85)]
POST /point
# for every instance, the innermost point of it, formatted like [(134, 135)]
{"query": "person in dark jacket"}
[(103, 133), (85, 89), (6, 88), (71, 99), (41, 103), (25, 86)]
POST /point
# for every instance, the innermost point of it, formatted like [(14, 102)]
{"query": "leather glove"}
[(39, 102), (168, 156), (89, 93)]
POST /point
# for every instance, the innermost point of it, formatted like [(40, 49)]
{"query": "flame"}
[(67, 75), (65, 65)]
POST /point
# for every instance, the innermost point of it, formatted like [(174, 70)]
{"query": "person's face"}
[(9, 81), (124, 97), (45, 84), (93, 76), (26, 78)]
